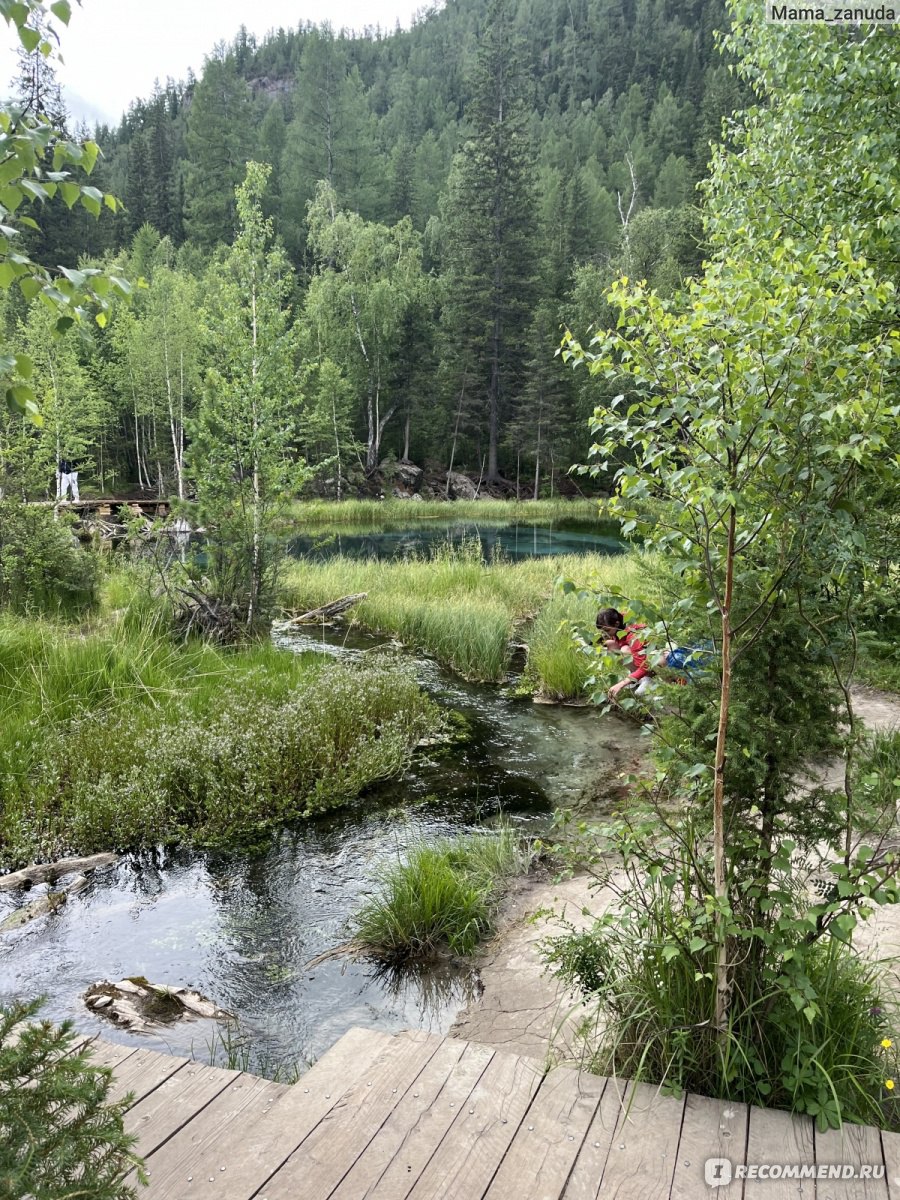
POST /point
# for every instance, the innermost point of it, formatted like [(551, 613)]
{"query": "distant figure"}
[(66, 478), (625, 639)]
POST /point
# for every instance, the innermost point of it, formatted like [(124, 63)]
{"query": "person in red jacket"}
[(627, 640)]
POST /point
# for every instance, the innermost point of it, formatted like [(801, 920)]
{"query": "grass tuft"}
[(443, 898)]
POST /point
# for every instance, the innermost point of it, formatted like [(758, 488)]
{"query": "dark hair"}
[(610, 618)]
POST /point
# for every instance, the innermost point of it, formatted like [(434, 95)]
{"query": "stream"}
[(242, 927)]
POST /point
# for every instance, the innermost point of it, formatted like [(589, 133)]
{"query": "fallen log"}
[(328, 610), (48, 872), (37, 908)]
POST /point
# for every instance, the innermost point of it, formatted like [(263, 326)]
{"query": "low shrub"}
[(120, 742), (60, 1133), (815, 1037), (42, 567), (443, 898)]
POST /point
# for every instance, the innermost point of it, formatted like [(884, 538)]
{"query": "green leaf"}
[(17, 397), (62, 9), (29, 38), (91, 204), (29, 286), (24, 365), (70, 193)]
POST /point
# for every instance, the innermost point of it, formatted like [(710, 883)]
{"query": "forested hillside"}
[(447, 197)]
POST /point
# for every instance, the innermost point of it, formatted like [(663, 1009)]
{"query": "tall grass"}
[(443, 898), (464, 611), (118, 739), (371, 513)]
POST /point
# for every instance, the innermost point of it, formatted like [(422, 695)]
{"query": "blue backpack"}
[(692, 661)]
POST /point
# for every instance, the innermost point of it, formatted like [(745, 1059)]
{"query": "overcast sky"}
[(114, 49)]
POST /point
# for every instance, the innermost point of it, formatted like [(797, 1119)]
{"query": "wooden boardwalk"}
[(417, 1116)]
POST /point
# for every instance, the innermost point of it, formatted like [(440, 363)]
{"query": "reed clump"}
[(443, 898), (467, 612), (381, 513)]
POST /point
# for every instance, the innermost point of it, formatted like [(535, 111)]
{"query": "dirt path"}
[(525, 1011)]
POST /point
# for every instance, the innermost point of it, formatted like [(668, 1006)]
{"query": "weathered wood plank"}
[(175, 1167), (330, 1151), (547, 1143), (107, 1054), (584, 1181), (268, 1139), (890, 1147), (644, 1149), (143, 1071), (709, 1129), (368, 1169), (467, 1158), (777, 1137), (175, 1102), (851, 1145), (426, 1126)]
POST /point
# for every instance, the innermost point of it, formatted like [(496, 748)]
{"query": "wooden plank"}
[(175, 1102), (143, 1071), (330, 1151), (271, 1137), (467, 1158), (425, 1128), (110, 1054), (856, 1145), (890, 1147), (584, 1181), (368, 1169), (777, 1137), (546, 1145), (175, 1167), (710, 1129), (644, 1149)]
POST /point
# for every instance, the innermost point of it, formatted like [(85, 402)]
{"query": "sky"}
[(115, 49)]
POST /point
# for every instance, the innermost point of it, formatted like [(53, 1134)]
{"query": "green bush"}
[(61, 1136), (121, 740), (443, 898), (42, 567), (816, 1039)]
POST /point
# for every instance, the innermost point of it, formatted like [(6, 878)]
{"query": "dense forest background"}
[(447, 198)]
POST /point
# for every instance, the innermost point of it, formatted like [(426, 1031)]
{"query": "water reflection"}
[(510, 541)]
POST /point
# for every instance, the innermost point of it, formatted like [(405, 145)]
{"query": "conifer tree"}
[(219, 138), (491, 219)]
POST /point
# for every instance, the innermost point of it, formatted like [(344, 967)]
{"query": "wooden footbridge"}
[(414, 1116)]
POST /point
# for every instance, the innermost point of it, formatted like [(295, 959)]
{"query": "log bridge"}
[(413, 1116)]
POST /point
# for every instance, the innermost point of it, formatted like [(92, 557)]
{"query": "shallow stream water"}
[(243, 927)]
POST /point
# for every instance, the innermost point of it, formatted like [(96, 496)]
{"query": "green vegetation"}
[(444, 197), (638, 972), (443, 898), (61, 1134), (461, 610), (42, 568), (116, 738), (385, 513), (726, 963)]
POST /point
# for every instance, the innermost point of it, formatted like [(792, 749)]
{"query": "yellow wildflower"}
[(889, 1084), (887, 1043)]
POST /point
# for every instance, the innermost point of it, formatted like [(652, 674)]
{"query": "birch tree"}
[(241, 456)]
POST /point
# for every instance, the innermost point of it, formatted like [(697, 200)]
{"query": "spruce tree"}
[(219, 138), (61, 1135), (491, 219)]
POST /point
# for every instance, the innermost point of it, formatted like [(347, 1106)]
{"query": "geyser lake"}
[(243, 927)]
